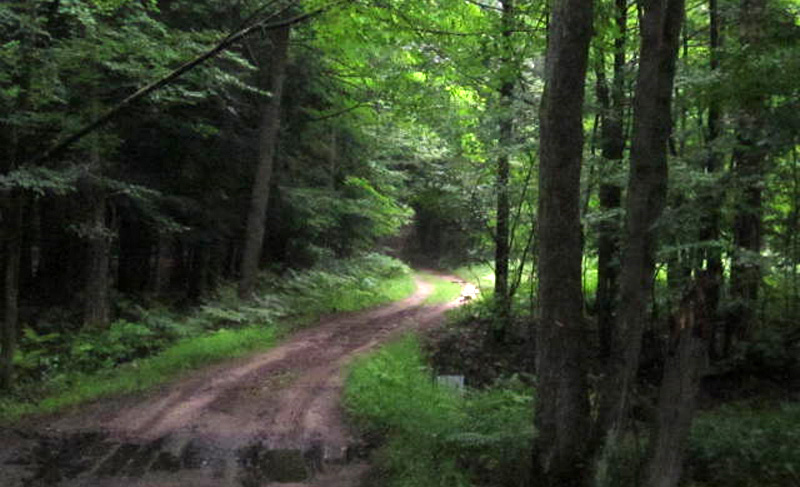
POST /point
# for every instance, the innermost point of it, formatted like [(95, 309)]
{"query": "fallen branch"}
[(177, 73)]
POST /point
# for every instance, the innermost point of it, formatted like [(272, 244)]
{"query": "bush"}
[(433, 435), (737, 446)]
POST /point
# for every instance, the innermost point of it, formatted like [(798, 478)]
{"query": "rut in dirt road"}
[(270, 419)]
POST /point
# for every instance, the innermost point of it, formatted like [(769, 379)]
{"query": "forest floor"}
[(273, 418)]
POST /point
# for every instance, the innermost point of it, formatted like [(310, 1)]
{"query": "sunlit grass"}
[(444, 290), (188, 354), (481, 275)]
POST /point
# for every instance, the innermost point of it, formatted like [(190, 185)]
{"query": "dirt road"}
[(270, 419)]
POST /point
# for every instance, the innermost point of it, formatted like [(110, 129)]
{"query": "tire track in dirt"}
[(274, 418)]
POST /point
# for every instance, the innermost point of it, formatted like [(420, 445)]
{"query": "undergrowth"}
[(740, 446), (148, 346), (435, 435)]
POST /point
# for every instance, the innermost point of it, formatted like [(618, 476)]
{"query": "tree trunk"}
[(683, 369), (748, 167), (13, 233), (562, 407), (647, 189), (710, 231), (612, 142), (136, 244), (268, 139), (97, 299), (502, 234), (97, 304)]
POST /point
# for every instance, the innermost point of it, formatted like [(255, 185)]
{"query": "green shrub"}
[(122, 342), (737, 446), (434, 435)]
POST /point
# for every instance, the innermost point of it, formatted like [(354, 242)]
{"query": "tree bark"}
[(97, 299), (268, 139), (710, 231), (647, 189), (683, 369), (97, 304), (748, 166), (612, 142), (562, 407), (13, 233), (502, 233)]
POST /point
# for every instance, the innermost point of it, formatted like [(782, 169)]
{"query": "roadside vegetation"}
[(152, 345), (433, 434)]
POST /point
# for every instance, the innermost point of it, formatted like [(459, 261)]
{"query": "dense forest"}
[(627, 170)]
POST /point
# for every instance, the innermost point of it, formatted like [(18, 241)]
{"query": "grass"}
[(223, 328), (481, 275), (188, 354), (444, 290), (434, 435)]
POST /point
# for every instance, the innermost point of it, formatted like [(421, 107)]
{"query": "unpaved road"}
[(270, 419)]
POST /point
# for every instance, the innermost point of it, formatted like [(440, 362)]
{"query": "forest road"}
[(274, 418)]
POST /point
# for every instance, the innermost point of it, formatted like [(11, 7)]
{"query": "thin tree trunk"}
[(97, 306), (13, 233), (97, 299), (612, 142), (562, 407), (14, 206), (502, 234), (647, 189), (710, 231), (268, 140)]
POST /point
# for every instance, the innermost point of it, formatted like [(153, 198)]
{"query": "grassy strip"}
[(444, 290), (223, 329), (434, 435), (187, 354), (384, 291)]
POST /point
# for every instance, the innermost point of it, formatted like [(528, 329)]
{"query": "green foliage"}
[(433, 435), (122, 342), (737, 446), (348, 285)]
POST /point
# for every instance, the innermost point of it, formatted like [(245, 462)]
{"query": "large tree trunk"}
[(647, 189), (612, 142), (748, 159), (562, 407), (683, 369), (268, 139), (505, 139)]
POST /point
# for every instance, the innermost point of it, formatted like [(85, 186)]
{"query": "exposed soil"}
[(270, 419)]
